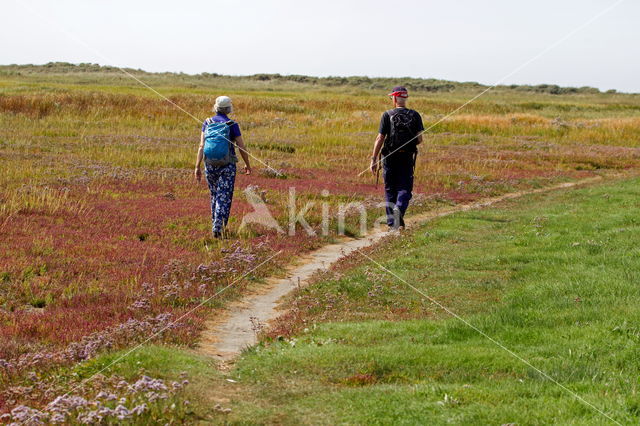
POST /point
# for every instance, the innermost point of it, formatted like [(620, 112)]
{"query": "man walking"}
[(217, 140), (396, 148)]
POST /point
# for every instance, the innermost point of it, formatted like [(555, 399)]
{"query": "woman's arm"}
[(239, 142), (198, 171)]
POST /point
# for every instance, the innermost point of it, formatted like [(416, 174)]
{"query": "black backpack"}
[(402, 135)]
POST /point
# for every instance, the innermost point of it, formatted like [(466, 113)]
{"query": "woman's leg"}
[(224, 196), (213, 175)]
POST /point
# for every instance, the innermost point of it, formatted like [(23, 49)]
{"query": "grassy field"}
[(550, 277), (553, 278), (105, 236)]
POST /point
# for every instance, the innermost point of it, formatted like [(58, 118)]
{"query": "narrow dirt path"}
[(227, 335)]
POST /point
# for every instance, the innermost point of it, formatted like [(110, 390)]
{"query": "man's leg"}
[(405, 188), (224, 197), (390, 193)]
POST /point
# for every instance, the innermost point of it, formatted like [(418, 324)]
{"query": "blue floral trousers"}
[(221, 180)]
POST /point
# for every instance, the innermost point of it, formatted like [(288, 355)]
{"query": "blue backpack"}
[(217, 151)]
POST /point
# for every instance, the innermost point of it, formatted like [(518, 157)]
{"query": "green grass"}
[(562, 269), (163, 361)]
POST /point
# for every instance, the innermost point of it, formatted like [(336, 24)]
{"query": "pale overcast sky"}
[(462, 40)]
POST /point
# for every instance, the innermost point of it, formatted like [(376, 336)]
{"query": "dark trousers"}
[(398, 184)]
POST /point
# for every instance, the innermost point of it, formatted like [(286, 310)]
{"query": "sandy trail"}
[(227, 335)]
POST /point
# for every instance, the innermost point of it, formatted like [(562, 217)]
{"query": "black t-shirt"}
[(385, 123)]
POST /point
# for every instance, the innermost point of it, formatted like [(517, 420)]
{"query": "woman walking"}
[(220, 135)]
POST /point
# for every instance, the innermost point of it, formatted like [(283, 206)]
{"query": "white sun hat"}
[(222, 102)]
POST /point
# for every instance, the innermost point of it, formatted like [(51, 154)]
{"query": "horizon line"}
[(276, 74)]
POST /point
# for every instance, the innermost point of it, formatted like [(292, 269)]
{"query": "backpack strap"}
[(391, 113), (228, 123), (209, 121), (385, 144)]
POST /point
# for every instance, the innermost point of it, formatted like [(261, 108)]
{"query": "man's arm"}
[(420, 129), (377, 147), (198, 171), (239, 142), (383, 131)]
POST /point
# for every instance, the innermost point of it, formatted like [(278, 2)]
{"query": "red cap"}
[(399, 92)]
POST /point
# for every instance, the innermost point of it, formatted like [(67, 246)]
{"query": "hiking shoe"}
[(217, 234)]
